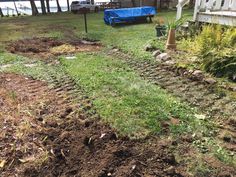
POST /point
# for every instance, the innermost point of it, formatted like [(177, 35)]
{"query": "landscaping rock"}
[(149, 48), (163, 57), (115, 50), (156, 53), (190, 71), (198, 74), (210, 81), (170, 62)]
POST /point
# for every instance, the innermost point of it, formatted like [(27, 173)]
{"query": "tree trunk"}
[(34, 8), (17, 13), (155, 3), (133, 3), (43, 6), (68, 5), (1, 12), (48, 6), (58, 6)]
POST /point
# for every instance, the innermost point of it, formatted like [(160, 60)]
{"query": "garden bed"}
[(46, 48)]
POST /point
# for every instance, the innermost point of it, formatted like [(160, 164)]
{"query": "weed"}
[(201, 169), (13, 96), (23, 129)]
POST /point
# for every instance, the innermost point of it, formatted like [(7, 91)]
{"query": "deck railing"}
[(214, 5), (217, 5), (211, 11)]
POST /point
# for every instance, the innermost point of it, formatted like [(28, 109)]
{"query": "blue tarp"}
[(113, 16)]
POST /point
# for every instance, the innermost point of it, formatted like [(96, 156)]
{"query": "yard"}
[(99, 104)]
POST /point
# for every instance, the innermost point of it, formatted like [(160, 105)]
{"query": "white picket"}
[(233, 5), (226, 5), (203, 4), (218, 4), (210, 4), (212, 11)]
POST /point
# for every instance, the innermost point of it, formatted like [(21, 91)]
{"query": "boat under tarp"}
[(128, 15)]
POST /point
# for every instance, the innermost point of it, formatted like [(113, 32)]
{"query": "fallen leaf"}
[(2, 163), (27, 159)]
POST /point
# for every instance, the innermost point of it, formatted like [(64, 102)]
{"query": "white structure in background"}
[(212, 11), (180, 6)]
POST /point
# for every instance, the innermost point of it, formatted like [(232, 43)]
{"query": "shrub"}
[(216, 47)]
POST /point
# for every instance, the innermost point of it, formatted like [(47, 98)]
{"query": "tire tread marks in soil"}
[(221, 109)]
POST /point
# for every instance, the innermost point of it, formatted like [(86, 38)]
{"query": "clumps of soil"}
[(44, 132), (47, 48)]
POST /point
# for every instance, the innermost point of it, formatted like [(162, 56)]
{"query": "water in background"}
[(24, 7), (10, 11)]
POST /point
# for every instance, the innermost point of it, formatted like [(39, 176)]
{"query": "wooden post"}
[(85, 23), (84, 11)]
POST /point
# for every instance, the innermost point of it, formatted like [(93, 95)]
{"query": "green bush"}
[(216, 47)]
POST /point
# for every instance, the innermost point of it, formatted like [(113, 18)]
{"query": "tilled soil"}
[(218, 107), (47, 133), (47, 48), (57, 132)]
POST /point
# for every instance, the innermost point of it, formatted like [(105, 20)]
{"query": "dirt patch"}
[(46, 132), (46, 48)]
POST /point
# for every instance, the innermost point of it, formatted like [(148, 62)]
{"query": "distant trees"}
[(58, 6), (43, 7), (16, 8), (68, 5), (1, 12), (48, 6)]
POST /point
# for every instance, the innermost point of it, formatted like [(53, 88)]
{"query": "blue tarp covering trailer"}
[(128, 15)]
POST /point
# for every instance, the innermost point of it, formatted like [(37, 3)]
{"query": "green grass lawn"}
[(129, 38)]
